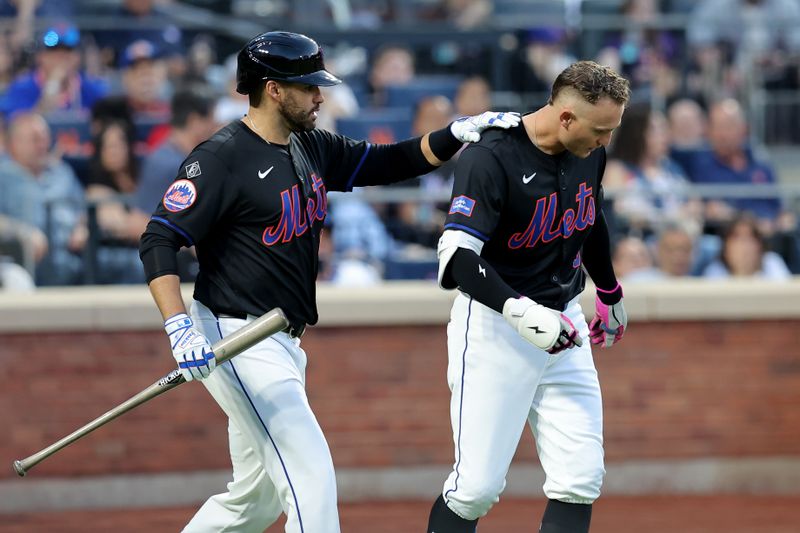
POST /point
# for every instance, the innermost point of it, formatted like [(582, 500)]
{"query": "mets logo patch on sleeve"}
[(462, 205), (180, 195)]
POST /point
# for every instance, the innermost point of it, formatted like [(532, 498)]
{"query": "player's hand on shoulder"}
[(610, 319), (191, 349), (468, 129), (543, 327)]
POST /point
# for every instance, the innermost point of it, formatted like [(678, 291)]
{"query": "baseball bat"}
[(268, 324)]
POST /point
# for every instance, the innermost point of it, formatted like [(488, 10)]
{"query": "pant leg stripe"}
[(461, 401), (274, 446)]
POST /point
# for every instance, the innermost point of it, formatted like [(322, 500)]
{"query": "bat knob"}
[(19, 469)]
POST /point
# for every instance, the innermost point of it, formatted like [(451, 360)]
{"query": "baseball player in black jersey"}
[(524, 222), (252, 200)]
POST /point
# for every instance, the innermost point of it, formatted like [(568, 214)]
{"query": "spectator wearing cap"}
[(56, 83), (144, 80), (141, 20)]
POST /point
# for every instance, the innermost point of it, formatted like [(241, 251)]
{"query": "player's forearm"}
[(166, 291), (596, 255), (479, 279), (389, 163)]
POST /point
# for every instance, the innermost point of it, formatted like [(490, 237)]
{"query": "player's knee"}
[(580, 482), (474, 502)]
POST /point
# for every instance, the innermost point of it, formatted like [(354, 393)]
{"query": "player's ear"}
[(273, 89), (566, 117)]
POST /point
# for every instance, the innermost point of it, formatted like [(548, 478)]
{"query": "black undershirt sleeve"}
[(389, 163), (596, 257), (477, 278), (158, 250)]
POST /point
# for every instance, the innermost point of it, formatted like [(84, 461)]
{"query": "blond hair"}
[(592, 81)]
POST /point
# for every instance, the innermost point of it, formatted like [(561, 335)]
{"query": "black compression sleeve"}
[(388, 163), (158, 251), (477, 278), (597, 255), (444, 144)]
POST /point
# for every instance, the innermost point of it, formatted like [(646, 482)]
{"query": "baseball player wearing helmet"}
[(252, 200), (516, 248)]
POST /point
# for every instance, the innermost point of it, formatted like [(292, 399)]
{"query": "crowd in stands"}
[(95, 123)]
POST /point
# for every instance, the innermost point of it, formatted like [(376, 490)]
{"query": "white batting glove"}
[(468, 129), (609, 322), (190, 348), (543, 327)]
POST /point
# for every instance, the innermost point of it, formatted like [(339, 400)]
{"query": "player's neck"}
[(267, 126), (537, 127)]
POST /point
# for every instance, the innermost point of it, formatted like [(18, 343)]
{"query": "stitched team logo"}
[(462, 205), (193, 170), (180, 195)]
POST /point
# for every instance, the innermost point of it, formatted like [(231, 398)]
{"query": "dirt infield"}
[(684, 514)]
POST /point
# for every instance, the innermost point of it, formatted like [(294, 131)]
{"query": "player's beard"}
[(296, 118)]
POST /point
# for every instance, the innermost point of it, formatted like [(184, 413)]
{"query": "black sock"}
[(561, 517), (443, 520)]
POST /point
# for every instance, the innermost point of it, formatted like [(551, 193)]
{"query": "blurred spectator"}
[(57, 82), (645, 54), (730, 161), (348, 270), (141, 20), (674, 254), (144, 80), (648, 186), (474, 96), (687, 124), (544, 54), (232, 105), (360, 235), (39, 189), (22, 243), (14, 278), (192, 122), (25, 14), (744, 254), (113, 171), (109, 109), (391, 65), (739, 41), (467, 14), (418, 221), (631, 255)]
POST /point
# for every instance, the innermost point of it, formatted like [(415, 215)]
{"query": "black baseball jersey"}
[(255, 211), (532, 210)]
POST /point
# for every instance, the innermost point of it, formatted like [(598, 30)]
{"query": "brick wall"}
[(672, 390)]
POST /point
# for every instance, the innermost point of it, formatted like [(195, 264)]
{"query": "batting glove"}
[(468, 129), (610, 319), (191, 349), (543, 327)]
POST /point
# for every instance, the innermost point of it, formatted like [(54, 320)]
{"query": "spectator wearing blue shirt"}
[(56, 83), (730, 161), (40, 190)]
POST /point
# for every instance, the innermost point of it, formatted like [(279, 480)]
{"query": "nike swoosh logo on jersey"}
[(527, 179), (265, 173)]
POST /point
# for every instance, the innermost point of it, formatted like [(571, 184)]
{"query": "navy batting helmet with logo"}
[(282, 56)]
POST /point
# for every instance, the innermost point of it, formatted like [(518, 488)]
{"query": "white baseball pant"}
[(499, 382), (281, 461)]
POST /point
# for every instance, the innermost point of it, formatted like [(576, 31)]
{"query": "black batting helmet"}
[(283, 56)]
